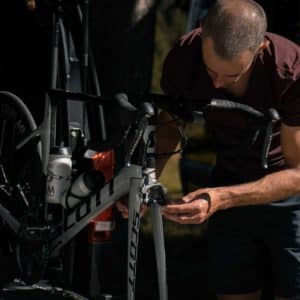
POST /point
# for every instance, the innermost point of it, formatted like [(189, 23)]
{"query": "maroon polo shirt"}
[(274, 83)]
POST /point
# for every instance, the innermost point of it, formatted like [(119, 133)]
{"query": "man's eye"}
[(211, 72)]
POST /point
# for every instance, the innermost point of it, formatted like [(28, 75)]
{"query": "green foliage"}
[(170, 26)]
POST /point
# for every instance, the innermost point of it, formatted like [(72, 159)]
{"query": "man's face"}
[(225, 73)]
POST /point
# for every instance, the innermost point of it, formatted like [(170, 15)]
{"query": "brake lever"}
[(146, 111), (135, 139), (273, 116)]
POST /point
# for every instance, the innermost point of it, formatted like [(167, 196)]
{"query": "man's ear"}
[(263, 45)]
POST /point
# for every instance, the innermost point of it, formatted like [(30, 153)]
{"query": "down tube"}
[(135, 199), (77, 218)]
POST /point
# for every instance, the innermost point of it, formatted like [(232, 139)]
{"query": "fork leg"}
[(159, 244)]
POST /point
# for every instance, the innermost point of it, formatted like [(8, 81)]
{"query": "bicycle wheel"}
[(20, 167), (22, 181)]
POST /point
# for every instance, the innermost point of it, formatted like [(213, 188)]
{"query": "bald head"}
[(235, 26)]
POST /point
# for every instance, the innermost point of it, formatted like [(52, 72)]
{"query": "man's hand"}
[(122, 207), (30, 5), (194, 208)]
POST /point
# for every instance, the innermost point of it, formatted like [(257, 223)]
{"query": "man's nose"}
[(218, 81)]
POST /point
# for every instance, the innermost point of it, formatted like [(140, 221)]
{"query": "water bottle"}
[(84, 185), (59, 174)]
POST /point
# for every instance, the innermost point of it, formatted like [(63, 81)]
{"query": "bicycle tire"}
[(21, 166), (21, 173)]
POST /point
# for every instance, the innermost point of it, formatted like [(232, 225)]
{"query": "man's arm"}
[(168, 137), (202, 203), (272, 187)]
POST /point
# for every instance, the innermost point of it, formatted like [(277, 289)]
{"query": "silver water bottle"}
[(83, 186), (59, 174)]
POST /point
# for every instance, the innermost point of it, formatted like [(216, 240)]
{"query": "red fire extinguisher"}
[(101, 227)]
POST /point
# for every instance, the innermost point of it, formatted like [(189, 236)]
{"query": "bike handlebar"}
[(180, 105), (264, 121), (145, 112), (184, 108), (163, 101), (230, 106)]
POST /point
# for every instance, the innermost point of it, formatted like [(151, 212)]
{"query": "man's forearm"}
[(167, 140), (271, 188)]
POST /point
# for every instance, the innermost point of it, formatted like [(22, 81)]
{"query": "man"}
[(249, 208)]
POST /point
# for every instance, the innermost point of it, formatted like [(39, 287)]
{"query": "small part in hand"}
[(157, 195)]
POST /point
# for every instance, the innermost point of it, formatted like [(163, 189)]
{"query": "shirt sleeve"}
[(179, 64), (171, 79), (290, 109)]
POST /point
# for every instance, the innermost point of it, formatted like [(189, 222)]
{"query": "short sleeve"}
[(290, 107), (172, 79), (181, 64)]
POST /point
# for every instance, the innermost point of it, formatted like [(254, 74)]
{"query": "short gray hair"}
[(234, 30)]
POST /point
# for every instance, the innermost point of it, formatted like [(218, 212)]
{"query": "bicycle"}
[(40, 233)]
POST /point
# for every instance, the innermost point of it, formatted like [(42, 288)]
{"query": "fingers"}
[(123, 209), (144, 208), (195, 195), (30, 5), (185, 208), (195, 212), (186, 219)]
